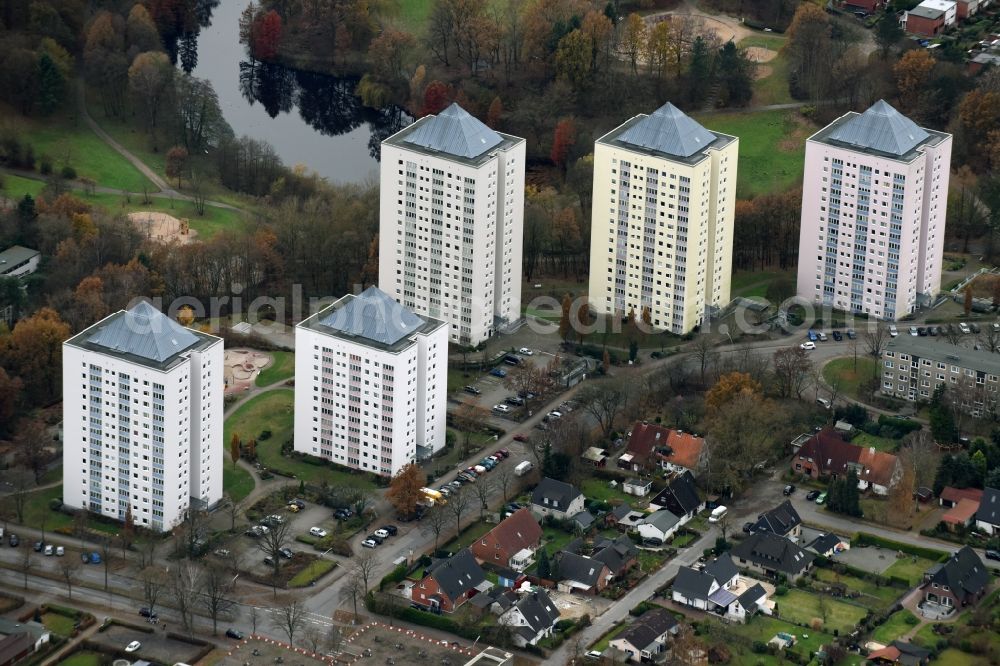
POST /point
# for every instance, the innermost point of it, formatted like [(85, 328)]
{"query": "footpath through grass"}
[(282, 367), (772, 148)]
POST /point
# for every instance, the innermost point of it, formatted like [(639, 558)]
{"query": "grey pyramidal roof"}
[(374, 315), (668, 130), (456, 132), (146, 332), (881, 128)]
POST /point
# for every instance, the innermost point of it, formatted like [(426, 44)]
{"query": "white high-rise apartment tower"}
[(662, 224), (452, 222), (874, 199), (142, 418), (371, 381)]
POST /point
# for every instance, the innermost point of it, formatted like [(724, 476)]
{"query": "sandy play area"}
[(760, 55), (162, 227), (242, 367)]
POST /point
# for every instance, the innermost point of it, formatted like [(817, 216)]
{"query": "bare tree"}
[(26, 563), (289, 618), (107, 552), (435, 521), (604, 400), (704, 352), (360, 498), (876, 338), (192, 531), (31, 447), (271, 544), (923, 454), (483, 488), (365, 565), (68, 568), (312, 638), (147, 552), (217, 587), (989, 338), (235, 510), (20, 480), (457, 505), (791, 371), (504, 476), (352, 591), (154, 581), (186, 581)]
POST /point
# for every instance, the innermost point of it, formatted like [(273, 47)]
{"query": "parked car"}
[(382, 534), (520, 437), (60, 551), (133, 646), (553, 415), (273, 520), (809, 345), (234, 633), (652, 541), (391, 529), (511, 359), (471, 389), (838, 336), (39, 545), (146, 612), (369, 543), (525, 351), (811, 334), (821, 498), (254, 531), (932, 330), (974, 327), (269, 561), (748, 528), (221, 552), (299, 503), (812, 495), (823, 402), (286, 553), (993, 555), (964, 328), (515, 400), (318, 532), (480, 470), (788, 490), (342, 513), (893, 331), (49, 550), (822, 336), (498, 372), (445, 490), (14, 541), (501, 409), (851, 334), (503, 453), (95, 558), (913, 331), (922, 331), (293, 508)]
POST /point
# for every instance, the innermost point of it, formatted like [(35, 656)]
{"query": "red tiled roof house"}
[(827, 455), (651, 446), (512, 543)]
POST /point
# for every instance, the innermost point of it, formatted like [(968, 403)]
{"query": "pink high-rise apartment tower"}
[(874, 198)]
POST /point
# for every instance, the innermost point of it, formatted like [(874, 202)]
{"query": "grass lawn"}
[(598, 489), (282, 367), (764, 41), (58, 624), (895, 627), (312, 572), (755, 283), (66, 140), (206, 226), (468, 536), (772, 148), (413, 15), (925, 636), (773, 88), (651, 560), (459, 378), (236, 481), (15, 187), (955, 657), (763, 628), (801, 607), (38, 514), (842, 370), (682, 540), (82, 658), (875, 597), (555, 540), (602, 644), (909, 568), (880, 443)]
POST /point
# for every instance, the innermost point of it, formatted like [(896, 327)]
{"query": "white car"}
[(480, 470), (49, 550), (525, 351), (892, 331), (60, 551), (808, 345), (913, 331), (133, 646), (555, 415), (382, 534), (964, 328), (501, 409), (369, 543), (318, 532)]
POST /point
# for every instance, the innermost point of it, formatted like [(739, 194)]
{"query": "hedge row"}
[(865, 539)]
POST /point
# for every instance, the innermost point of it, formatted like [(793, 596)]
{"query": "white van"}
[(718, 513), (523, 468)]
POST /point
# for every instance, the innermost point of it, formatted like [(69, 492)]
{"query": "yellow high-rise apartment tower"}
[(662, 228)]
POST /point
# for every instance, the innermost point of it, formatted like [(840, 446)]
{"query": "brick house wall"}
[(919, 25)]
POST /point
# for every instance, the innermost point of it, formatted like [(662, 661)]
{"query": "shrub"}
[(816, 623), (802, 582), (45, 168), (68, 172), (780, 591), (912, 620), (264, 434), (865, 539), (759, 647)]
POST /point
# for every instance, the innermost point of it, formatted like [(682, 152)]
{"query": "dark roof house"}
[(988, 516), (458, 574), (582, 572), (554, 495), (648, 634), (773, 554), (960, 581), (781, 520), (680, 497), (619, 554)]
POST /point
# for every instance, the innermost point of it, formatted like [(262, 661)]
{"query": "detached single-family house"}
[(898, 652), (718, 588), (826, 454), (957, 583), (950, 497), (532, 618), (582, 574), (680, 498), (961, 515), (772, 555), (595, 456), (782, 520), (614, 517), (647, 636), (20, 639), (827, 545), (637, 487), (988, 516), (556, 498), (619, 555), (447, 584), (512, 543), (651, 446), (924, 21), (18, 261), (660, 525)]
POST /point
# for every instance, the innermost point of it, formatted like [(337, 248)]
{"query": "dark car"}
[(269, 561), (471, 389), (974, 327), (993, 555), (838, 336), (391, 529), (510, 359), (299, 503), (342, 514), (14, 541), (145, 612), (932, 330), (498, 372), (286, 553), (921, 331), (851, 334), (38, 546), (234, 633), (520, 437), (748, 528), (502, 453), (812, 495), (376, 538), (514, 400), (789, 489)]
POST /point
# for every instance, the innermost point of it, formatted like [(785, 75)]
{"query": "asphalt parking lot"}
[(156, 646), (870, 558), (494, 392)]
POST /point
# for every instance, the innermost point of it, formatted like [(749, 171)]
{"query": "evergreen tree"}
[(941, 421), (851, 495), (945, 473), (699, 70), (833, 502), (978, 461), (51, 85), (544, 566)]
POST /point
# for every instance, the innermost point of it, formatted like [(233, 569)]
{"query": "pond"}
[(310, 119)]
